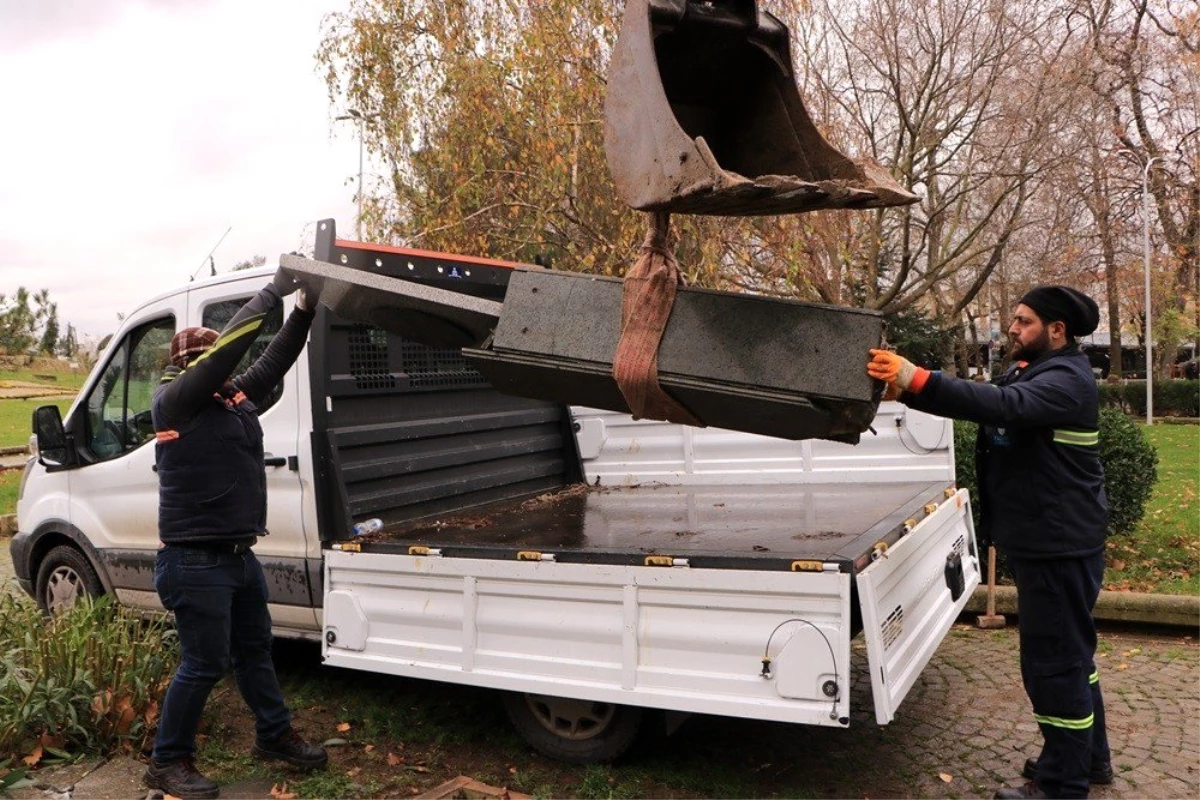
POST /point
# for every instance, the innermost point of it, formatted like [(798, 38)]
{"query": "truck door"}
[(283, 551), (113, 488), (912, 593)]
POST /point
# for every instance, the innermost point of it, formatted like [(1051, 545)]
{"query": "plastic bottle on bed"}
[(367, 526)]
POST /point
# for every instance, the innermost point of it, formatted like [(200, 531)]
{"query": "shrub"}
[(1130, 468), (1171, 397), (86, 680)]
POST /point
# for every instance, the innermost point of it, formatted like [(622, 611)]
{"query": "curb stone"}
[(1153, 609)]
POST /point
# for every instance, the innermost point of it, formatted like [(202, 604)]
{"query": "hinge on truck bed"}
[(665, 561), (534, 555)]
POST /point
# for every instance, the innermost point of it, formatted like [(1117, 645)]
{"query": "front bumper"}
[(19, 549)]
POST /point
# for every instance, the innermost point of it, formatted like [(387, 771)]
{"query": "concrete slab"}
[(421, 313), (118, 779), (742, 362), (54, 782), (720, 337)]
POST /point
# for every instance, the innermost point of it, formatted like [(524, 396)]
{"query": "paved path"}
[(968, 717), (964, 730)]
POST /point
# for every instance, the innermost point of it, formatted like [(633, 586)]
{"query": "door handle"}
[(291, 462)]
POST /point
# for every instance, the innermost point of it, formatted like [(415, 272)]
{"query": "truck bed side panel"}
[(676, 638)]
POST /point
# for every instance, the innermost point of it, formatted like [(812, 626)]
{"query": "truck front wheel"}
[(64, 576), (575, 731)]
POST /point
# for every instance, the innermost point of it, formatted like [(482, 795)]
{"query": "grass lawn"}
[(16, 418), (1163, 552), (70, 381)]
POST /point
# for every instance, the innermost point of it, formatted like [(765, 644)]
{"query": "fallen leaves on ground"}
[(33, 758), (279, 791), (946, 777)]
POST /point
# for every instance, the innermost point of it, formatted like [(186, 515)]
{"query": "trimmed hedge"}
[(1130, 467), (1171, 397)]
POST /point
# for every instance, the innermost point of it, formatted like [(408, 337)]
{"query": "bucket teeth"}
[(703, 116)]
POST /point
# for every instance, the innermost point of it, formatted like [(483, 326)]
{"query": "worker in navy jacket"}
[(1041, 495), (212, 510)]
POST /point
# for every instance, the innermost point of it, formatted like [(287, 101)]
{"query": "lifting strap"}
[(649, 296)]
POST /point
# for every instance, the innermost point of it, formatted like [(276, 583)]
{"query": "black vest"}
[(212, 484)]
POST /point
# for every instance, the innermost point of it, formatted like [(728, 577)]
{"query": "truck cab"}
[(90, 510)]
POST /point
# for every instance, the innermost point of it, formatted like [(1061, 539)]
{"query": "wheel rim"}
[(571, 719), (63, 588)]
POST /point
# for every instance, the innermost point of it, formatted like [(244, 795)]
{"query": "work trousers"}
[(1055, 598), (219, 597)]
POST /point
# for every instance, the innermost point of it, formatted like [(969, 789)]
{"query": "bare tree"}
[(960, 98), (1145, 59)]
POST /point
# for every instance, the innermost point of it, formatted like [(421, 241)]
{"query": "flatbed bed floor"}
[(765, 526)]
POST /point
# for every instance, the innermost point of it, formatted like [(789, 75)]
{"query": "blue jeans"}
[(220, 602)]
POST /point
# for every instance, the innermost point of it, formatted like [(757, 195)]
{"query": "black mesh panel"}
[(369, 358)]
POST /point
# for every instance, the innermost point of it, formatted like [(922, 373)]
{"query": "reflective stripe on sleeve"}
[(249, 326), (1077, 438)]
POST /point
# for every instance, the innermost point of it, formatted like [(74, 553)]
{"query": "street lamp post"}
[(354, 113), (1146, 257)]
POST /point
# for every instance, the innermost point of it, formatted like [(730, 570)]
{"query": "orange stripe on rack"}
[(408, 251), (166, 436)]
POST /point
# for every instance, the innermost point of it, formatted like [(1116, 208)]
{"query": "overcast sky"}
[(135, 132)]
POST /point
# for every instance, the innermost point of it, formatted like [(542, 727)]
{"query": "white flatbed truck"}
[(597, 569)]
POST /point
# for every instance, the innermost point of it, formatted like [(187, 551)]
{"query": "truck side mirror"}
[(51, 438)]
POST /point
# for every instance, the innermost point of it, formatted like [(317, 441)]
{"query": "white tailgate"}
[(661, 637), (906, 601)]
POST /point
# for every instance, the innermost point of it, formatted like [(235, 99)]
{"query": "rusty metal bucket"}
[(702, 116)]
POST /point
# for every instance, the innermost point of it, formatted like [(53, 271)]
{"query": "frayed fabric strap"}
[(649, 296)]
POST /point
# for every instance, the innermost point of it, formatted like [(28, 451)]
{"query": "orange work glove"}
[(897, 370)]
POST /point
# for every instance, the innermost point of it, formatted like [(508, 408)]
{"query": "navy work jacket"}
[(1041, 485)]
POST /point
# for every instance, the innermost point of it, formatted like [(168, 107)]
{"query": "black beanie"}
[(1064, 304)]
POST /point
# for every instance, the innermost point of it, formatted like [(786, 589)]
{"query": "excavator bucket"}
[(702, 116)]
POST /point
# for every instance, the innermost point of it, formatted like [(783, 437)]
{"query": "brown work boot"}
[(180, 779), (1101, 773), (293, 750)]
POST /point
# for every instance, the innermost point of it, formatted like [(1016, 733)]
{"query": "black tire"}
[(64, 576), (575, 731)]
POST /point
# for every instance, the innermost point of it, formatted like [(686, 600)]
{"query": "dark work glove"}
[(309, 294), (284, 283)]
